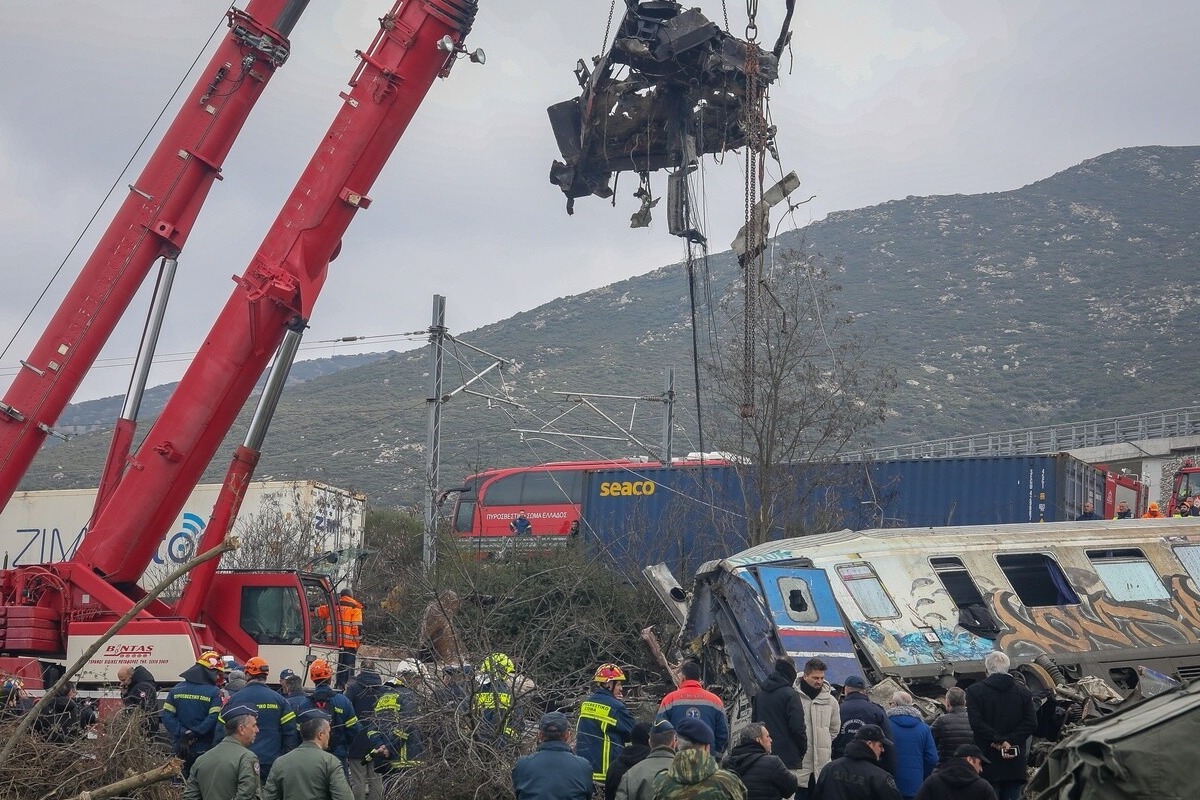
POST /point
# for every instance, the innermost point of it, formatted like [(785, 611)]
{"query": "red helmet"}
[(211, 659), (257, 666), (609, 672), (320, 670)]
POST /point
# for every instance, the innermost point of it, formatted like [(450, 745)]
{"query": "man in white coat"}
[(822, 722)]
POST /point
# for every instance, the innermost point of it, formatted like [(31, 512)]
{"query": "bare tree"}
[(815, 393)]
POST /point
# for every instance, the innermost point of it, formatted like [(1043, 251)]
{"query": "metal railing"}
[(1048, 438)]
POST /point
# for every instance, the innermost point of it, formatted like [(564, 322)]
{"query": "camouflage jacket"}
[(694, 775)]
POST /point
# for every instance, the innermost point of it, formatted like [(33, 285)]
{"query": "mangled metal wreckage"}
[(1082, 609), (672, 87)]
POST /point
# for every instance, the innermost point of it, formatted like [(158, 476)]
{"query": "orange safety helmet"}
[(258, 667), (320, 670), (609, 672), (211, 659)]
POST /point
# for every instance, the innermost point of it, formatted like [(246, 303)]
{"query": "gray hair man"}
[(1002, 717)]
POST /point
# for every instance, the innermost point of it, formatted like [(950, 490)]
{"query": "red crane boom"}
[(154, 221)]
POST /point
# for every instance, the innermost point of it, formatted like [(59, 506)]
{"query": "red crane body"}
[(416, 43), (154, 221)]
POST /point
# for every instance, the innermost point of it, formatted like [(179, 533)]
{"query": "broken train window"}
[(1037, 579), (973, 613)]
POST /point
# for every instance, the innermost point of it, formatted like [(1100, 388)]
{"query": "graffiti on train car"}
[(1098, 622)]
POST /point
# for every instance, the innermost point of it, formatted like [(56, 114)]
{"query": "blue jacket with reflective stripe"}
[(193, 706), (277, 731), (603, 730)]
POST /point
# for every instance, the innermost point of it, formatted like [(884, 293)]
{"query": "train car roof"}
[(900, 541)]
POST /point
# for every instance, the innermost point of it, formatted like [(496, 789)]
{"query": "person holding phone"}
[(1002, 717)]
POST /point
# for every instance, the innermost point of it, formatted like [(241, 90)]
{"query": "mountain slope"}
[(1071, 298)]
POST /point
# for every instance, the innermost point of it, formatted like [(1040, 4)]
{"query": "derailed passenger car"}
[(1063, 600)]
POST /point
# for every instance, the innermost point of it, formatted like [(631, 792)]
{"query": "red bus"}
[(551, 495)]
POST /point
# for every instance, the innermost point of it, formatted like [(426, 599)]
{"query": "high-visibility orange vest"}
[(350, 613)]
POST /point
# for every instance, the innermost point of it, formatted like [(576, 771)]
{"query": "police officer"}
[(276, 721), (309, 772), (190, 711), (229, 771)]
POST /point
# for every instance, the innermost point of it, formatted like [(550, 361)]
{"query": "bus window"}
[(1189, 556), (505, 491), (973, 613), (1037, 579), (799, 600), (1127, 574), (867, 590), (544, 488)]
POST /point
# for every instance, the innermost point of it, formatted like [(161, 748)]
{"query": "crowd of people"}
[(808, 740), (1185, 507)]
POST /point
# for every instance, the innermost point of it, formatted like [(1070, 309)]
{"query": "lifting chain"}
[(756, 143), (607, 28), (751, 20)]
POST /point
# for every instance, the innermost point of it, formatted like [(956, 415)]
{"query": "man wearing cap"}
[(857, 710), (857, 775), (277, 732), (691, 699), (553, 772), (229, 771), (777, 705), (638, 781), (694, 774), (291, 686), (959, 778), (190, 711), (309, 772)]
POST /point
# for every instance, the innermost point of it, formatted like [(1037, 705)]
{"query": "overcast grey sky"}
[(878, 100)]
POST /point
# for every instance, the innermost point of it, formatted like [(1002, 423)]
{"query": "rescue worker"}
[(291, 686), (190, 711), (368, 744), (493, 704), (343, 719), (309, 772), (1153, 512), (605, 724), (349, 628), (277, 732), (691, 699), (396, 735), (228, 771)]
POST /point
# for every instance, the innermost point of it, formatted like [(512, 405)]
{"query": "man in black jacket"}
[(952, 729), (857, 775), (778, 706), (958, 778), (637, 749), (764, 775), (139, 694), (1002, 717), (858, 710)]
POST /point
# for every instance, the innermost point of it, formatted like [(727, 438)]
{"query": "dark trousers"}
[(345, 667), (1008, 790)]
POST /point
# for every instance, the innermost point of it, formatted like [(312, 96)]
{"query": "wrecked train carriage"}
[(926, 605)]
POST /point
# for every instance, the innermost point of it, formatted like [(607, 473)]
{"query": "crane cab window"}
[(272, 614), (1127, 574), (1037, 579), (320, 628), (973, 613), (867, 590)]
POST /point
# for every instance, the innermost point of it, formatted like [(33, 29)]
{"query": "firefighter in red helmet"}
[(605, 724)]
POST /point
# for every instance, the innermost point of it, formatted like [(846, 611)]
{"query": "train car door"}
[(807, 619)]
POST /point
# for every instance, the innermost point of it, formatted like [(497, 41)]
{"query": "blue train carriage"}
[(926, 605)]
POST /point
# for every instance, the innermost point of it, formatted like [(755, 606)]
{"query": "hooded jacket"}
[(694, 775), (855, 776), (916, 754), (956, 780), (191, 708), (764, 775), (777, 705), (1001, 710)]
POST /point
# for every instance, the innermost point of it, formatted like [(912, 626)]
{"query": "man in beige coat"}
[(822, 722)]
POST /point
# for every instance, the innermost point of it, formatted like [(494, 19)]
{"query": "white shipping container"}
[(282, 524)]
